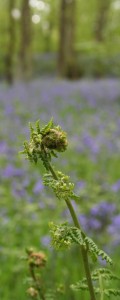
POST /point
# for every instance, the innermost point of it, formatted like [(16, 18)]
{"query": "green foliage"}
[(105, 273), (93, 249), (46, 128), (112, 292), (62, 187), (98, 274), (64, 235), (46, 35), (43, 142), (24, 213)]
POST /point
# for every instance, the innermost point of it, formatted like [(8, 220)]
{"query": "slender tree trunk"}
[(66, 51), (9, 58), (25, 41), (101, 21)]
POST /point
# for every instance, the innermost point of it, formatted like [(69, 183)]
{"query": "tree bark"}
[(101, 21), (25, 41), (66, 51), (9, 57)]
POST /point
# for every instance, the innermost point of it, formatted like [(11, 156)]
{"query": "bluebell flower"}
[(12, 171), (38, 187), (116, 186), (45, 241)]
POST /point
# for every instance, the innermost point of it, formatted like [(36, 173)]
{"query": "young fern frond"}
[(45, 158), (47, 127), (93, 248), (105, 273), (84, 287), (112, 292), (66, 235), (77, 236), (60, 236), (79, 286), (62, 187), (43, 144), (38, 127)]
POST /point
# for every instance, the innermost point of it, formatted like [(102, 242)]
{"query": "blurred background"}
[(60, 59), (69, 38)]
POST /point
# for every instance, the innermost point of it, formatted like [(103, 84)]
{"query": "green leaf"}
[(47, 127), (80, 285), (112, 292), (93, 248), (105, 273), (54, 154), (38, 126)]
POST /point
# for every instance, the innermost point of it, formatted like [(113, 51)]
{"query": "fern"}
[(43, 145), (79, 286), (66, 235), (93, 248), (38, 127), (77, 236), (47, 127), (112, 292), (45, 158), (105, 273), (84, 287), (62, 187), (60, 236)]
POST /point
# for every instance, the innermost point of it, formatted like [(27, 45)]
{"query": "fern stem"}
[(83, 251), (101, 287), (40, 293)]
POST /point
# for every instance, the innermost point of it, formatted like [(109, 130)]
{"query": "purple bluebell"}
[(45, 241), (38, 187), (103, 209), (116, 186), (12, 171)]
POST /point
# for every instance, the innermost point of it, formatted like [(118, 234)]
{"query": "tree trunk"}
[(25, 41), (9, 58), (66, 51), (103, 8)]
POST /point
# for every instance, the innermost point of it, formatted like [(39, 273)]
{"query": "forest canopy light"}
[(35, 19), (38, 4), (16, 14)]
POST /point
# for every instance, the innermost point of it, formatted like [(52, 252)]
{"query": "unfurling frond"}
[(66, 235), (60, 235), (105, 273), (93, 248), (44, 142), (81, 285), (62, 187), (47, 127), (112, 292), (63, 236)]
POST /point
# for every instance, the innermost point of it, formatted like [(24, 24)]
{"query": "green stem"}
[(83, 250), (40, 293), (101, 287)]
